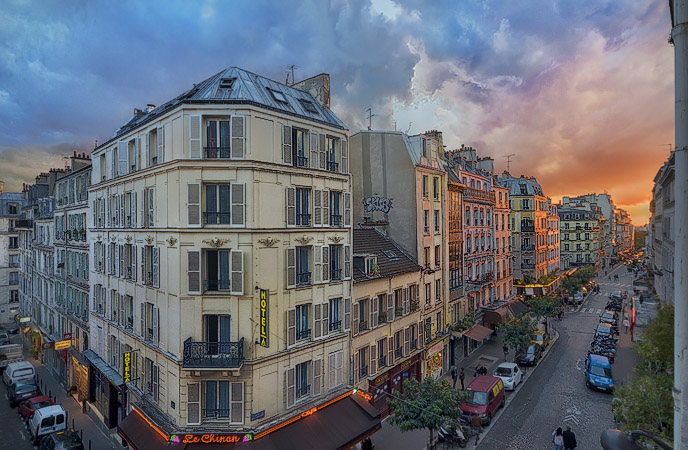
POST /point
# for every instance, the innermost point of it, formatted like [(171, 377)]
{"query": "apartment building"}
[(11, 205), (222, 268), (603, 207), (400, 187), (552, 241), (661, 230), (623, 230), (504, 275), (580, 230), (387, 327)]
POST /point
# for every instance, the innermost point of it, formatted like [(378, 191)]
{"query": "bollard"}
[(89, 444), (72, 424), (67, 416), (81, 435)]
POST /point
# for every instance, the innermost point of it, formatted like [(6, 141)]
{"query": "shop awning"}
[(517, 308), (478, 333), (97, 362), (139, 434), (497, 316)]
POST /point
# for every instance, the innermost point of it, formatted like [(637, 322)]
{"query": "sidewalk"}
[(93, 436)]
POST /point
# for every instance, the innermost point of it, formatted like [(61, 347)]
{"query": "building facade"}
[(504, 277), (11, 205), (580, 231), (661, 231)]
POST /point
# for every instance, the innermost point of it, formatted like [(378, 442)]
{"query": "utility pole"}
[(679, 38), (370, 118), (508, 161)]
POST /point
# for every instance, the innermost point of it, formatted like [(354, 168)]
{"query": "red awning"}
[(478, 333), (139, 434)]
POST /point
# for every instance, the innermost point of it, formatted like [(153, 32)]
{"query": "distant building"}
[(11, 205), (580, 236)]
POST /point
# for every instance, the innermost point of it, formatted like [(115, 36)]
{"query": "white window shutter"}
[(290, 387), (238, 149), (326, 208), (96, 174), (317, 315), (331, 370), (237, 263), (325, 319), (142, 321), (133, 209), (317, 208), (160, 154), (347, 261), (291, 327), (323, 152), (421, 341), (317, 377), (286, 145), (347, 209), (195, 137), (156, 324), (347, 313), (390, 351), (373, 360), (151, 207), (405, 300), (325, 262), (144, 145), (122, 212), (357, 372), (123, 157), (143, 265), (340, 367), (390, 307), (117, 261), (354, 332), (345, 157), (407, 339), (314, 151), (142, 208), (156, 267), (193, 201), (317, 267), (373, 312), (194, 271), (193, 403), (291, 267), (238, 205), (133, 262), (291, 207)]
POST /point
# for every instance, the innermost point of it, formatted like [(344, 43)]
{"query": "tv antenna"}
[(508, 161), (671, 147), (409, 128), (370, 118), (290, 68)]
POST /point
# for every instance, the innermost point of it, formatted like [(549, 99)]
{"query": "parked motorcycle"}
[(453, 434)]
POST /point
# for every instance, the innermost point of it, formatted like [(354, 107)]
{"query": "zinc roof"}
[(372, 242)]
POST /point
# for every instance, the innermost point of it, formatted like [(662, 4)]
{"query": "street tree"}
[(427, 404), (517, 332), (543, 307)]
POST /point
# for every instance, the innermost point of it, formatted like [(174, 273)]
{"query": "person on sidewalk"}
[(476, 423), (626, 324), (505, 349), (558, 439), (454, 376), (569, 438), (462, 376)]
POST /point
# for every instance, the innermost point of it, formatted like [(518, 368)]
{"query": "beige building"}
[(11, 204), (386, 343), (400, 186), (504, 274), (580, 236), (222, 261)]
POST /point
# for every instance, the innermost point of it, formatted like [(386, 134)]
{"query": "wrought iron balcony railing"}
[(336, 325), (217, 152), (216, 218), (335, 220), (216, 285), (303, 220), (213, 355)]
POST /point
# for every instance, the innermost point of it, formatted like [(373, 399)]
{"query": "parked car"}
[(578, 297), (510, 374), (18, 371), (19, 392), (67, 439), (486, 396), (609, 316), (598, 373), (540, 337), (616, 295), (4, 337), (604, 329), (47, 420), (530, 356), (10, 353), (28, 407)]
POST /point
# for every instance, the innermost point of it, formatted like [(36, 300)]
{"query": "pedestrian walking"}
[(569, 438), (558, 439), (462, 376), (455, 376), (476, 423), (505, 349), (626, 324)]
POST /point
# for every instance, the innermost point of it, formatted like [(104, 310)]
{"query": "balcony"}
[(213, 355), (382, 361), (363, 372), (478, 196), (414, 344), (335, 220), (303, 334), (335, 326), (216, 152), (303, 391), (528, 248), (362, 326), (301, 161), (398, 352), (332, 166), (216, 218), (527, 266), (24, 224), (336, 274), (215, 285), (527, 227), (303, 279), (303, 220)]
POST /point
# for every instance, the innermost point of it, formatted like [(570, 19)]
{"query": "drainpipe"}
[(679, 37)]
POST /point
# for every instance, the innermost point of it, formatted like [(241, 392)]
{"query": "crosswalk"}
[(597, 311)]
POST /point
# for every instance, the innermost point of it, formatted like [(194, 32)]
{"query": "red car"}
[(28, 407)]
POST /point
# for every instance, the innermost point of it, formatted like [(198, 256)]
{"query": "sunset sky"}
[(580, 91)]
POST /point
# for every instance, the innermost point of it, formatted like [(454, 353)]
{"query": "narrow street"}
[(556, 394)]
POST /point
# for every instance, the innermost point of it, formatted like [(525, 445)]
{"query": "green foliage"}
[(428, 404), (581, 276), (544, 306), (517, 332), (656, 348)]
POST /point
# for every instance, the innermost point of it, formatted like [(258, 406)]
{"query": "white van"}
[(18, 371), (47, 420)]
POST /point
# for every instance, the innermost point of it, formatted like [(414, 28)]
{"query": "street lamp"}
[(660, 272), (618, 440)]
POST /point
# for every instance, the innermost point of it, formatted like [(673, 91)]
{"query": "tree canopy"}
[(542, 307), (427, 404), (517, 332)]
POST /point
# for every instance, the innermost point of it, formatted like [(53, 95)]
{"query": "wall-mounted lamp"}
[(660, 272)]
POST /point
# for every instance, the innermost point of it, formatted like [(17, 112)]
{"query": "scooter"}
[(452, 434)]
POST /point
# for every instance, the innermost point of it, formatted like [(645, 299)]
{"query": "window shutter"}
[(291, 267), (237, 262), (347, 209), (142, 321), (325, 319), (142, 209), (122, 213), (317, 332), (323, 152), (194, 204), (117, 261), (357, 372), (314, 151), (317, 377), (101, 213), (286, 145), (331, 370), (132, 211), (156, 267), (238, 211), (121, 319), (390, 307), (345, 156), (373, 359), (407, 339), (291, 327), (96, 171), (347, 313), (405, 300), (340, 367), (421, 340), (156, 324), (326, 208), (238, 137), (194, 271), (290, 387), (390, 351), (151, 207), (160, 141), (122, 261), (317, 266), (317, 208), (325, 262), (291, 207), (356, 319), (195, 137), (193, 403), (373, 312), (347, 261), (123, 156), (143, 265)]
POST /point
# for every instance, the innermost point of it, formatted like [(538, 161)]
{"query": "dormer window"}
[(226, 83), (371, 266), (308, 106), (278, 96)]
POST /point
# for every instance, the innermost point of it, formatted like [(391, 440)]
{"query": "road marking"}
[(599, 311), (572, 418), (578, 364), (591, 310)]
